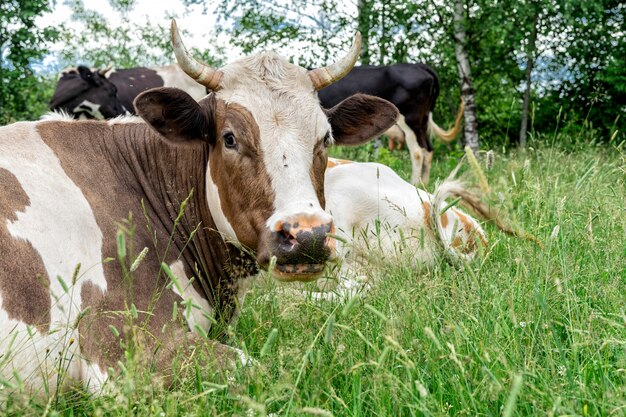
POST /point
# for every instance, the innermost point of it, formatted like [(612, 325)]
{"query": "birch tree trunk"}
[(530, 63), (465, 77)]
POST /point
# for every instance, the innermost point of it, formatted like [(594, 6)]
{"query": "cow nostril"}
[(287, 238)]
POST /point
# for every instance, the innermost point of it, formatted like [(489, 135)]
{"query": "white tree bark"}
[(463, 64)]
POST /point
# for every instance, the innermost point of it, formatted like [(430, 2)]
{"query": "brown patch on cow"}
[(471, 232), (465, 247), (467, 223), (112, 195), (470, 245), (126, 169), (470, 229), (426, 207), (456, 242), (24, 283), (244, 185), (444, 220)]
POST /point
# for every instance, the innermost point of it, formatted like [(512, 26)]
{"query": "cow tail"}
[(449, 189), (452, 188), (446, 135)]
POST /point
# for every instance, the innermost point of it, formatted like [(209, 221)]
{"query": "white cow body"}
[(379, 217)]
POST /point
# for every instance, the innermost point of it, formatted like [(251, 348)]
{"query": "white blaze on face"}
[(60, 225), (87, 106), (281, 99), (215, 206)]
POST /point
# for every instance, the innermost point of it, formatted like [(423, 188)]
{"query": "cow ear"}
[(175, 114), (86, 74), (359, 118)]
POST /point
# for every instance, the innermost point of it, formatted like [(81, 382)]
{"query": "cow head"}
[(268, 138), (86, 94)]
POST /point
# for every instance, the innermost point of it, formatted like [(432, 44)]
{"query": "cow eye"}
[(229, 140), (327, 139)]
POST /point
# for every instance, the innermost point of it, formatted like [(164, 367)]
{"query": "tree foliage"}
[(575, 68), (259, 24), (577, 58), (23, 94), (121, 41)]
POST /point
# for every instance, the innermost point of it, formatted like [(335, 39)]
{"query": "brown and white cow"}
[(381, 218), (206, 184)]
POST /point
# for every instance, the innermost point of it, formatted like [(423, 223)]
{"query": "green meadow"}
[(527, 329)]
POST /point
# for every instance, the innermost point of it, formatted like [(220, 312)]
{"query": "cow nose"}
[(302, 241)]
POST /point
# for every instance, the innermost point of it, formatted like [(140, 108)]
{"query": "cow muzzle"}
[(301, 245)]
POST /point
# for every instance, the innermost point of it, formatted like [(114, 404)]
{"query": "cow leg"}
[(415, 151), (400, 142), (420, 140), (174, 356), (176, 359), (428, 158), (241, 289)]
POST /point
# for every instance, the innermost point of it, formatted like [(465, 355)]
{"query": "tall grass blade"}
[(511, 401)]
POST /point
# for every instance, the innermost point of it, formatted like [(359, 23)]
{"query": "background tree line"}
[(522, 66)]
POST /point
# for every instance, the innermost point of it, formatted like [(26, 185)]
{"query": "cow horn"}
[(325, 76), (202, 73), (104, 71)]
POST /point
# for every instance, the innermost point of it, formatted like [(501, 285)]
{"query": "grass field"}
[(523, 331)]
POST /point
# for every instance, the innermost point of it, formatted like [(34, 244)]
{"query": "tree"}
[(261, 24), (530, 62), (136, 44), (23, 94), (593, 57), (465, 77), (568, 48), (389, 28)]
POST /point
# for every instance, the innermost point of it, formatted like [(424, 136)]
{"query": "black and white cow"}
[(107, 93), (86, 94)]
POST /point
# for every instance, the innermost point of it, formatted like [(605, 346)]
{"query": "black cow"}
[(86, 94), (414, 89), (103, 94)]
